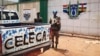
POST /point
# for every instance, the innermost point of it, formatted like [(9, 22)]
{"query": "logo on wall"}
[(74, 10), (27, 13)]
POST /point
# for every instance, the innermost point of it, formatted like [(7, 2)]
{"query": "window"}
[(9, 16), (13, 15)]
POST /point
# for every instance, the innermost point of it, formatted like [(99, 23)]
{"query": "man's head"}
[(55, 14)]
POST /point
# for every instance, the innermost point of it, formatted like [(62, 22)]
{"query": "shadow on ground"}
[(62, 51)]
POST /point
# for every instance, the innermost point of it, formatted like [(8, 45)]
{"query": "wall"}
[(87, 23), (12, 7), (34, 7)]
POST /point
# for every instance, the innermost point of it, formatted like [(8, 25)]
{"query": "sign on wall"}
[(74, 10), (27, 14)]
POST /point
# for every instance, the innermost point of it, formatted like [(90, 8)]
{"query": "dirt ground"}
[(73, 46)]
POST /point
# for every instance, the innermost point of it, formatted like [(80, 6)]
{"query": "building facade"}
[(32, 7), (86, 23)]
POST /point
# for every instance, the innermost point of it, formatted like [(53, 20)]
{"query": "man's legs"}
[(57, 39), (52, 41)]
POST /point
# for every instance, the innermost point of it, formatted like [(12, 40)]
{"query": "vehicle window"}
[(13, 15), (8, 16), (4, 16)]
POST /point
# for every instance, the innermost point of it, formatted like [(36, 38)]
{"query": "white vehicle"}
[(18, 38), (8, 16)]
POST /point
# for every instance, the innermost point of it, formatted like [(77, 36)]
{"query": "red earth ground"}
[(74, 46)]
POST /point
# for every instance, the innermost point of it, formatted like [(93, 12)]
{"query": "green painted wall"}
[(44, 10)]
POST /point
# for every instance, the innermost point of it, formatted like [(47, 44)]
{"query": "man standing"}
[(55, 28), (38, 19)]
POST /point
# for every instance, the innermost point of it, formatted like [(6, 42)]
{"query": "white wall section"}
[(87, 23)]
